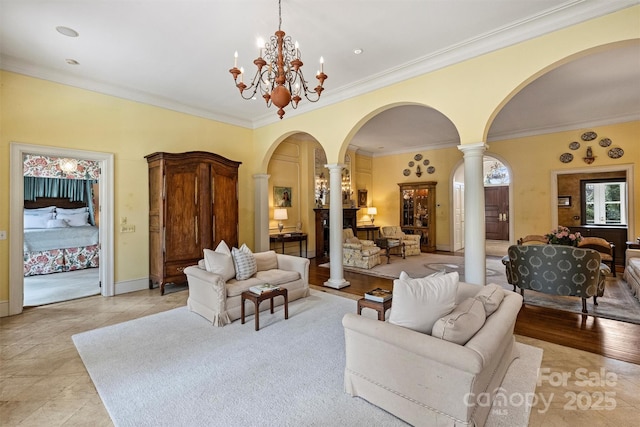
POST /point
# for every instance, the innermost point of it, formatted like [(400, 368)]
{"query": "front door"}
[(496, 211)]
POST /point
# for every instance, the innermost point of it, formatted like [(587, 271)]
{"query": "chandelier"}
[(279, 76)]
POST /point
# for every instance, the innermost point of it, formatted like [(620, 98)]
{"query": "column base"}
[(336, 284)]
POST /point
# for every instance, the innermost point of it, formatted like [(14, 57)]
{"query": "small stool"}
[(380, 307)]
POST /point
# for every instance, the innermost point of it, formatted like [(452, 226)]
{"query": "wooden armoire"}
[(193, 205)]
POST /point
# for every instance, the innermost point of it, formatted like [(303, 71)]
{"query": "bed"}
[(58, 237)]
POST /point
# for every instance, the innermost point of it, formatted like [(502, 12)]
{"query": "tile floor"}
[(43, 380)]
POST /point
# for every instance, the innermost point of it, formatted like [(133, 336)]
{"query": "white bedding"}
[(43, 239)]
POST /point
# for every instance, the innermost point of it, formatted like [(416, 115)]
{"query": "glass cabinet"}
[(417, 212)]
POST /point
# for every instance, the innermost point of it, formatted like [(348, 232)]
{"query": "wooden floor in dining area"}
[(609, 338)]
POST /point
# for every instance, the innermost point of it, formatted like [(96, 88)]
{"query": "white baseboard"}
[(132, 285), (4, 308)]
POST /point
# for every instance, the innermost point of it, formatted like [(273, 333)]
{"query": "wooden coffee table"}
[(257, 299), (387, 244), (380, 307)]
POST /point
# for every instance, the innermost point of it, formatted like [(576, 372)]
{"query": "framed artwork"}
[(564, 201), (362, 198), (282, 197)]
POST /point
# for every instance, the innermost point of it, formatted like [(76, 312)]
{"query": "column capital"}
[(475, 148), (335, 167), (259, 176)]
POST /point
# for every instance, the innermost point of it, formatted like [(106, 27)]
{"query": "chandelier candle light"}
[(279, 76)]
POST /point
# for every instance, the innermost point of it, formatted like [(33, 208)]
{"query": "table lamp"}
[(371, 211), (280, 215)]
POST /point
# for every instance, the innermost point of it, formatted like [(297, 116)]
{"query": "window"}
[(604, 202)]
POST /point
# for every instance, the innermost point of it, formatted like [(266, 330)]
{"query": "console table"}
[(290, 237), (373, 229)]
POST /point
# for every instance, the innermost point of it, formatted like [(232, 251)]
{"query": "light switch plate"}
[(3, 235)]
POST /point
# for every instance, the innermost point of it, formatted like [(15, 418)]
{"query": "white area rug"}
[(57, 287), (175, 369)]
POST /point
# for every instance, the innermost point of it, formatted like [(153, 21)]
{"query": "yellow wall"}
[(49, 114), (532, 160)]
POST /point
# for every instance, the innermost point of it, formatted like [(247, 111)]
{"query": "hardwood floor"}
[(609, 338)]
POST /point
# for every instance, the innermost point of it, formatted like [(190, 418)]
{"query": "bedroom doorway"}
[(16, 241)]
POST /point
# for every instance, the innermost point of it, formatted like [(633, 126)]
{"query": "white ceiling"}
[(176, 54)]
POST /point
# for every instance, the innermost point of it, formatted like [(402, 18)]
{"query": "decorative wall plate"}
[(431, 169), (616, 153), (411, 164), (425, 162), (589, 136), (605, 142), (417, 157), (406, 172), (574, 145), (566, 157)]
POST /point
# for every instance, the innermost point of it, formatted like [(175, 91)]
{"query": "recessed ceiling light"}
[(71, 61), (66, 31), (357, 51)]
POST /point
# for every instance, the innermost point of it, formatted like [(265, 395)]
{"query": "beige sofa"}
[(424, 380), (632, 271), (219, 301), (411, 241)]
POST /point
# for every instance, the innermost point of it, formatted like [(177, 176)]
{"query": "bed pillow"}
[(75, 220), (418, 303), (244, 262), (72, 211), (57, 223), (220, 261), (37, 221), (37, 211)]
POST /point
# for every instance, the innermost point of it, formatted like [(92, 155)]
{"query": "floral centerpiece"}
[(563, 236)]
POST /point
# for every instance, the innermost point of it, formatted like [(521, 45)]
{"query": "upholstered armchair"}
[(606, 249), (358, 253), (411, 241), (558, 270)]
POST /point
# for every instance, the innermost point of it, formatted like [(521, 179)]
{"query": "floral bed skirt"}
[(61, 260)]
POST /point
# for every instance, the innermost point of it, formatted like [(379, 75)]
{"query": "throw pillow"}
[(491, 296), (244, 262), (266, 260), (462, 323), (418, 303), (220, 261)]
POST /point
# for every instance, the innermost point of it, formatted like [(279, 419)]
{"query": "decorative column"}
[(261, 214), (475, 262), (336, 279)]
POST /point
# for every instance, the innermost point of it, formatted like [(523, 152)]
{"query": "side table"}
[(380, 307), (257, 299)]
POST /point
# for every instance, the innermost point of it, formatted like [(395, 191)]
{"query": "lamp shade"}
[(280, 214), (372, 211)]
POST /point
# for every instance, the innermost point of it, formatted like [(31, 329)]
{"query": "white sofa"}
[(219, 301), (632, 271), (425, 380)]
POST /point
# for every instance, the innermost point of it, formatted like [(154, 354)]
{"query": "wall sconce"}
[(371, 211), (280, 215)]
